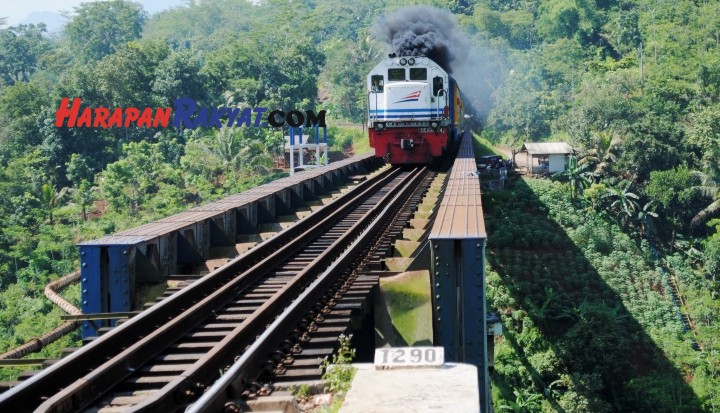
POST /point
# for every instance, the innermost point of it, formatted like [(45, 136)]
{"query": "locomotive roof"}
[(420, 61)]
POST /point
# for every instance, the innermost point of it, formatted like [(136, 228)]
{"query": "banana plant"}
[(576, 175), (625, 202)]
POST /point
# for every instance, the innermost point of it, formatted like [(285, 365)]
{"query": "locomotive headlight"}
[(379, 126), (433, 125), (411, 61), (403, 61)]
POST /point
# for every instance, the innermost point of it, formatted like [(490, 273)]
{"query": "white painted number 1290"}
[(386, 357)]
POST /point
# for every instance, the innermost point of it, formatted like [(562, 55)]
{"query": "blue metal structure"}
[(111, 267), (457, 252)]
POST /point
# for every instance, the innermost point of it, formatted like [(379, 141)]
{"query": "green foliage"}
[(633, 85), (482, 146), (523, 107), (337, 371), (21, 50), (586, 323), (19, 107), (142, 177), (711, 255), (97, 29), (179, 75), (558, 18), (302, 391), (675, 193), (653, 143), (576, 175)]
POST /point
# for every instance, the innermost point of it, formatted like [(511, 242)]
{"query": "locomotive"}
[(414, 109)]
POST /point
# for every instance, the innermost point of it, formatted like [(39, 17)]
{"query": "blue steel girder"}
[(459, 304), (107, 282), (90, 286), (120, 286)]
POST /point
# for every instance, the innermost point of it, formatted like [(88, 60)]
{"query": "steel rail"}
[(31, 392), (166, 399), (218, 398), (84, 391)]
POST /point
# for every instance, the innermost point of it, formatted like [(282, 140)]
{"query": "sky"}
[(18, 10)]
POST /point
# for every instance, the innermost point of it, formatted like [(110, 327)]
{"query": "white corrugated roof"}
[(546, 148)]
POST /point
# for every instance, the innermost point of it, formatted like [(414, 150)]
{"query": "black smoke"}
[(423, 31)]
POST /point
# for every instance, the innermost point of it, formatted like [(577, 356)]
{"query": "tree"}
[(703, 131), (84, 195), (599, 103), (179, 75), (343, 81), (558, 18), (140, 174), (675, 192), (20, 105), (21, 48), (126, 77), (523, 108), (50, 199), (603, 153), (652, 143), (97, 29), (710, 187), (711, 255), (79, 169)]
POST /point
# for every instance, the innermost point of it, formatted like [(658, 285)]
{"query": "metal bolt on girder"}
[(231, 407)]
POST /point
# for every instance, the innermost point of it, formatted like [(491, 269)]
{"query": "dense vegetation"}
[(589, 320), (591, 323), (634, 84)]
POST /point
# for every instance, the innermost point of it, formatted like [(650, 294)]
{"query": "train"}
[(414, 109)]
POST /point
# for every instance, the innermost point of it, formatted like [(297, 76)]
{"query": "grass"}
[(483, 147), (342, 138)]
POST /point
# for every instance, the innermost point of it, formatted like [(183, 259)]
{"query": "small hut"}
[(542, 158)]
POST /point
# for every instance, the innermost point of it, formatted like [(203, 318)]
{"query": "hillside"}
[(633, 84)]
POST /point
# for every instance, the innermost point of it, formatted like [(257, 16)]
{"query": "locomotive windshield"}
[(418, 73), (396, 74)]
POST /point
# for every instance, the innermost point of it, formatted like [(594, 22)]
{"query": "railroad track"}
[(246, 319)]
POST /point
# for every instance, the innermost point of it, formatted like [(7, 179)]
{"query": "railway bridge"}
[(259, 286)]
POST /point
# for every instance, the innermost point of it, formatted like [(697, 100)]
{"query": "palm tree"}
[(576, 175), (626, 202), (50, 198), (603, 154)]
